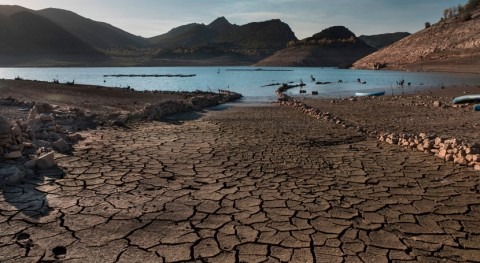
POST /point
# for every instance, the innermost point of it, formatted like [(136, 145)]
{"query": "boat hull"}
[(369, 94), (467, 99)]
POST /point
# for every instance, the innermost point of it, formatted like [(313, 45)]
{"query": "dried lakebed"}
[(246, 184)]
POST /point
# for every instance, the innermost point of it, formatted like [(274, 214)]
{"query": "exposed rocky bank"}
[(452, 45), (33, 134)]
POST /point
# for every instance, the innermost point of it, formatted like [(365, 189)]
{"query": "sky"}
[(150, 18)]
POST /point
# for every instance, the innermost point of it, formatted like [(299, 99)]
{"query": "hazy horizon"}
[(150, 18)]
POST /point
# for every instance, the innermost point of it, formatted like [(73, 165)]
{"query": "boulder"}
[(460, 160), (46, 117), (11, 174), (61, 146), (5, 125), (43, 107), (46, 161), (17, 131), (477, 167), (13, 155), (475, 158), (449, 157), (32, 164)]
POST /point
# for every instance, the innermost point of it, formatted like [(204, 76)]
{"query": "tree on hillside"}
[(471, 4), (461, 9)]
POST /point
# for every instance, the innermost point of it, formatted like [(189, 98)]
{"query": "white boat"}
[(466, 99), (370, 94)]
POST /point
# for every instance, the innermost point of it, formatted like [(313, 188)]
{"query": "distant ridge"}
[(333, 47), (97, 34), (382, 40), (272, 35), (26, 36)]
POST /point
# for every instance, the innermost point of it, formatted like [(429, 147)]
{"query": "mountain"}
[(333, 47), (453, 44), (269, 35), (97, 34), (382, 40), (8, 10), (28, 37)]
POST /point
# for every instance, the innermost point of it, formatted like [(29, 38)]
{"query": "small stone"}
[(14, 147), (5, 125), (439, 140), (11, 175), (437, 104), (472, 150), (31, 164), (43, 107), (460, 160), (17, 131), (420, 148), (41, 143), (61, 146), (475, 158), (13, 155), (46, 161), (75, 137), (442, 153), (46, 117), (449, 157), (477, 167)]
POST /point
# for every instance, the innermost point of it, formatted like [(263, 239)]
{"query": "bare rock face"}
[(453, 45)]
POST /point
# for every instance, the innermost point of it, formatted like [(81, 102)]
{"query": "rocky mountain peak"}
[(220, 23)]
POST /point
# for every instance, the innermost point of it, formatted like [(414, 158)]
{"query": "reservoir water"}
[(250, 81)]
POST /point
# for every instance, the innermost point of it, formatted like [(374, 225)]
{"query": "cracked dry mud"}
[(247, 184)]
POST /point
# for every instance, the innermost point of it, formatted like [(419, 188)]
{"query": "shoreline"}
[(452, 69), (40, 120)]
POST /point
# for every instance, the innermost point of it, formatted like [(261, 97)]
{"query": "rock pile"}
[(449, 149), (10, 139), (159, 110), (49, 128), (34, 138)]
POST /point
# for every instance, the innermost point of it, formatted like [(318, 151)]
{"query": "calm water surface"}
[(248, 81)]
